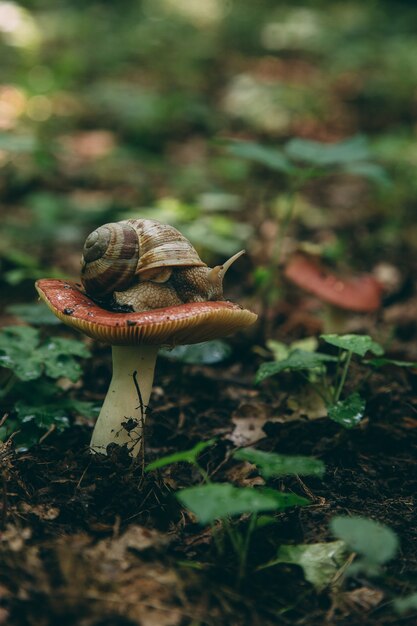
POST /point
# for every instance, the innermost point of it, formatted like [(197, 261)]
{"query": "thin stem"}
[(343, 377), (203, 472), (316, 388), (245, 549), (286, 220), (7, 386), (234, 537)]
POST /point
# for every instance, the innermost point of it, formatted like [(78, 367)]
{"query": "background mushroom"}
[(135, 339), (340, 296)]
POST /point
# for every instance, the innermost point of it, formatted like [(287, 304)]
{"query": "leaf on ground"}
[(271, 464), (222, 500), (307, 404), (348, 412), (249, 420), (358, 344), (319, 561)]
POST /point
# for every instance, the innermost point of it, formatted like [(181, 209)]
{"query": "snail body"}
[(144, 264)]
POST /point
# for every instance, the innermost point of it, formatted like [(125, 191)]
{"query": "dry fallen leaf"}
[(43, 511), (307, 404), (249, 420)]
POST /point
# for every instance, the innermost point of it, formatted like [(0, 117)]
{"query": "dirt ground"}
[(92, 540)]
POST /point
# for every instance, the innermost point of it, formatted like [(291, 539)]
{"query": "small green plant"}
[(373, 543), (297, 162), (211, 502), (328, 374), (29, 370)]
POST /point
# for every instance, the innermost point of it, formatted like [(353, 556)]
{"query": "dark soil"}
[(95, 541)]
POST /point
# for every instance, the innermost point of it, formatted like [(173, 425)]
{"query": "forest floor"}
[(94, 540)]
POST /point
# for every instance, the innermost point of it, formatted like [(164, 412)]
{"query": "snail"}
[(144, 264)]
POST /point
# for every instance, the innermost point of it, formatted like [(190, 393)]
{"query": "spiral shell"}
[(118, 254)]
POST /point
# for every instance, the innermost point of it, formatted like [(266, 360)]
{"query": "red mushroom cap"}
[(188, 323), (362, 294)]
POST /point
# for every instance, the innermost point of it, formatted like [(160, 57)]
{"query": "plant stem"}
[(7, 386), (122, 415), (244, 551), (203, 473), (286, 220), (343, 377)]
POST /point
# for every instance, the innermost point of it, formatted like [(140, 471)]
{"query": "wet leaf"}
[(206, 353), (271, 464), (319, 561), (219, 501), (358, 344), (348, 412), (186, 456)]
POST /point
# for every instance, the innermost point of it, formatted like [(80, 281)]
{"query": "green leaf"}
[(282, 351), (18, 345), (44, 416), (319, 561), (206, 353), (271, 464), (372, 171), (325, 155), (270, 157), (374, 541), (358, 344), (20, 351), (297, 360), (186, 456), (348, 412), (383, 361), (34, 313), (58, 356), (408, 603), (219, 501), (19, 144)]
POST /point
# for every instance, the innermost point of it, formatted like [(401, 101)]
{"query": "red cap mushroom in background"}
[(135, 339), (340, 296)]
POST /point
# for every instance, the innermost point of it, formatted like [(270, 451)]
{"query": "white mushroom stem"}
[(122, 415)]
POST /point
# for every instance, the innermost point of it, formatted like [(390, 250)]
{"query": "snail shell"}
[(120, 254)]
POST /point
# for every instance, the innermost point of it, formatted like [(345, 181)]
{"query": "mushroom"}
[(339, 296), (135, 339)]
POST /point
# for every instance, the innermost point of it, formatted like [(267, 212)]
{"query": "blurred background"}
[(270, 125)]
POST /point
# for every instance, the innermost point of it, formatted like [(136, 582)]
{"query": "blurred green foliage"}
[(227, 119), (28, 367)]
